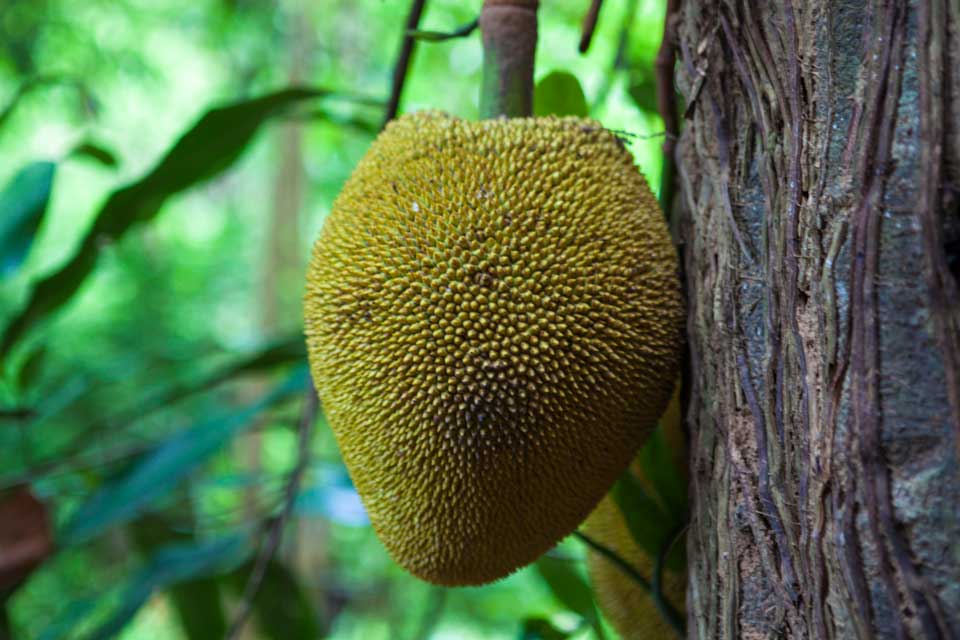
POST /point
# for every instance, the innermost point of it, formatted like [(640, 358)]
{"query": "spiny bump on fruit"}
[(493, 322), (629, 608)]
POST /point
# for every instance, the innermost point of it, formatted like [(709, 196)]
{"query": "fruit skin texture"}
[(625, 604), (493, 320)]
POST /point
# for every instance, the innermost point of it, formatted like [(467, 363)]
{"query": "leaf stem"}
[(509, 29)]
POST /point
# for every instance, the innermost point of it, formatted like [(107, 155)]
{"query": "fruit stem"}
[(509, 29)]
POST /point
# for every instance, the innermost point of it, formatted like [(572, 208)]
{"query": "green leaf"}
[(541, 629), (23, 202), (286, 351), (209, 147), (656, 462), (96, 152), (570, 587), (161, 469), (197, 600), (281, 609), (644, 516), (642, 88), (47, 80), (169, 565), (559, 93), (31, 369)]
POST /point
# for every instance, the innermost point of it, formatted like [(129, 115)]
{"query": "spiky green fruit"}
[(493, 321)]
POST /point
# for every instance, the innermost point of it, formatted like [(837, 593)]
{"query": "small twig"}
[(275, 535), (667, 611), (440, 36), (403, 60), (589, 25)]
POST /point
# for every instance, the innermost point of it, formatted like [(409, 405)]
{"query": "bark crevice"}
[(817, 173)]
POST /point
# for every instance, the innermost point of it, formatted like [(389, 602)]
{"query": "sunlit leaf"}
[(570, 587), (559, 93), (47, 80), (209, 147), (23, 202), (161, 469), (281, 609)]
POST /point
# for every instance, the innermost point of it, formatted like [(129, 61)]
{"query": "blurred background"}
[(160, 188)]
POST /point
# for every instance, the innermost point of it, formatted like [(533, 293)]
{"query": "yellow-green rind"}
[(493, 322), (627, 606)]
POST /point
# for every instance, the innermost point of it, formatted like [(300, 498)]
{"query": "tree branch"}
[(403, 60), (589, 25), (667, 104)]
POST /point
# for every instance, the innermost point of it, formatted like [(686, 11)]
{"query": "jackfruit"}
[(493, 321), (629, 608)]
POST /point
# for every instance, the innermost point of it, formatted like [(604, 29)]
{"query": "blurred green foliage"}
[(161, 185)]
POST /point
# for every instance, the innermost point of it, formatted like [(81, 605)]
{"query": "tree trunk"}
[(819, 175)]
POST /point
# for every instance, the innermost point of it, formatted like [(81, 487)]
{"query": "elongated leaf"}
[(205, 150), (161, 469), (170, 565), (644, 516), (570, 587), (656, 461), (649, 524), (23, 202), (281, 610), (559, 94), (286, 351)]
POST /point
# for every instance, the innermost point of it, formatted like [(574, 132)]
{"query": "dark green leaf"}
[(197, 600), (168, 566), (282, 609), (643, 89), (286, 351), (559, 94), (31, 369), (23, 202), (646, 520), (205, 150), (570, 587), (656, 461), (95, 152), (541, 629), (171, 565), (161, 469)]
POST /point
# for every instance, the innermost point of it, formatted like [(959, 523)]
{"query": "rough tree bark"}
[(819, 181)]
